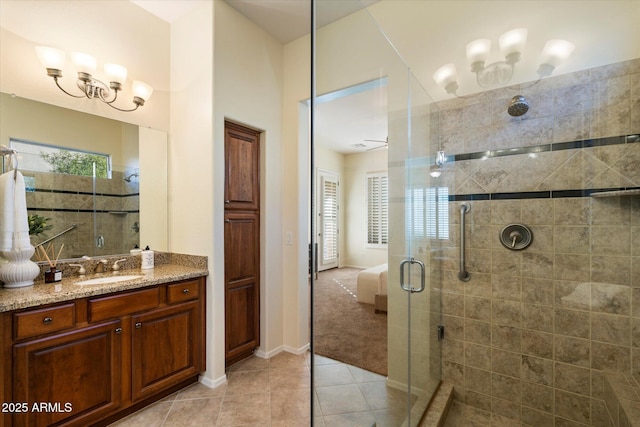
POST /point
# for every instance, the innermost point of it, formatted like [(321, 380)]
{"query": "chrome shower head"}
[(128, 178), (518, 106)]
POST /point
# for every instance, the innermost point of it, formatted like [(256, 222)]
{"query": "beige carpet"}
[(345, 329)]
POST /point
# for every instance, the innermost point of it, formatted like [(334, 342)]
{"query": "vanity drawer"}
[(111, 306), (43, 321), (182, 291)]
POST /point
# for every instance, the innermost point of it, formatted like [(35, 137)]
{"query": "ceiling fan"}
[(385, 143)]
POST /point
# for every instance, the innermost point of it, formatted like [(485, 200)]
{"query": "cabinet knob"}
[(118, 330), (226, 202), (185, 291), (47, 320), (138, 325)]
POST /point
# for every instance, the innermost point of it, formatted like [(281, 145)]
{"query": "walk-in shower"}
[(545, 330)]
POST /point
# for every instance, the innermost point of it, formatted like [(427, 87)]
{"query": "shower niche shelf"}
[(617, 193)]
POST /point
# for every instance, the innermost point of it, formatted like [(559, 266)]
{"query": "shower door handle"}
[(407, 286)]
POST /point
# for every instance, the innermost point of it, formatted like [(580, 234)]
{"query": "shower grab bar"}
[(57, 235), (408, 287), (463, 274)]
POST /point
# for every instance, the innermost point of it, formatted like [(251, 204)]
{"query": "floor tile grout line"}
[(166, 416)]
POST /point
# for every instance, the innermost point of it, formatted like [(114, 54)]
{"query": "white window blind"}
[(329, 220), (377, 209), (428, 213)]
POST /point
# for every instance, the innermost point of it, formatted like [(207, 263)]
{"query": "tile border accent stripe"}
[(79, 210), (85, 193), (557, 146), (552, 194)]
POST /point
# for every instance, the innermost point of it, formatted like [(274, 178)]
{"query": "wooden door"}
[(164, 348), (83, 366), (242, 160), (242, 242)]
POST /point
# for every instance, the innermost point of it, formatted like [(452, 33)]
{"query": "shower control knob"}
[(516, 237)]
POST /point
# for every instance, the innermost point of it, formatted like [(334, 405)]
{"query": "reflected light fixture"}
[(53, 60), (497, 73), (435, 170)]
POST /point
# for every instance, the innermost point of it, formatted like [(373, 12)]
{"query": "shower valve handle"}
[(514, 238)]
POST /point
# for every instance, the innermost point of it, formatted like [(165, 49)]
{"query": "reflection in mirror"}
[(82, 177)]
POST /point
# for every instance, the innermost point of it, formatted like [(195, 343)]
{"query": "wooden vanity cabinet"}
[(71, 377), (164, 348), (93, 360)]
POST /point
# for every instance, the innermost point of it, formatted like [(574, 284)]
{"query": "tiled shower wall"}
[(68, 199), (528, 337)]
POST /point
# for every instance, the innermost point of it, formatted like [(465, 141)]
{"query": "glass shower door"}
[(348, 52), (417, 224)]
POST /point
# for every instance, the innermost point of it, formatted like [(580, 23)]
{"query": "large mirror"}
[(136, 142), (93, 211)]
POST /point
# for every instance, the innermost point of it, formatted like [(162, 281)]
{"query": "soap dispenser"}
[(135, 251), (147, 259)]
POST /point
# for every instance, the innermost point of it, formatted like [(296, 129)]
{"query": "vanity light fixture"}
[(53, 60), (497, 73)]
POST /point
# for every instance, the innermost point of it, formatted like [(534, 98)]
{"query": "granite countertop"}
[(46, 293)]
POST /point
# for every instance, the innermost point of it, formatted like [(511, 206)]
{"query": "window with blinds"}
[(377, 209), (329, 220), (428, 213)]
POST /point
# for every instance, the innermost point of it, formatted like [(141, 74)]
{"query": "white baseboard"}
[(268, 355), (212, 383), (298, 351)]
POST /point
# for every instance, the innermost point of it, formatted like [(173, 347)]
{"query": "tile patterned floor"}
[(276, 393)]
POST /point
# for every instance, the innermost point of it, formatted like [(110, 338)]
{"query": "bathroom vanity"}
[(87, 355)]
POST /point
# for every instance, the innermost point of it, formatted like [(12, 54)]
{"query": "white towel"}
[(14, 224)]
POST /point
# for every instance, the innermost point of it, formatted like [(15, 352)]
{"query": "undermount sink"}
[(110, 279)]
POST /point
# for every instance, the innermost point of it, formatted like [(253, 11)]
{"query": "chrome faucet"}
[(100, 266), (116, 266)]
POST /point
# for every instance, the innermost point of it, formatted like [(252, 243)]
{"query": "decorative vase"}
[(19, 271)]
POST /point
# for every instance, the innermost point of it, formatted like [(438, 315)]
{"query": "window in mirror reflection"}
[(39, 157), (84, 214)]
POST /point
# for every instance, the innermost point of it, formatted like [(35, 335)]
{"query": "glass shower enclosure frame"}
[(347, 53)]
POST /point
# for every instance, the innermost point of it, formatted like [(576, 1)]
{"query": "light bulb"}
[(115, 73), (512, 43), (51, 57), (445, 76), (84, 62), (554, 52), (141, 92), (478, 50)]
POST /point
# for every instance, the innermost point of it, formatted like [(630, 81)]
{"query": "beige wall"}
[(47, 124), (356, 167), (248, 90), (191, 166), (295, 193)]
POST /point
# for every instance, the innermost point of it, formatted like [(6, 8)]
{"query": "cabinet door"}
[(72, 378), (242, 168), (242, 285), (165, 345)]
